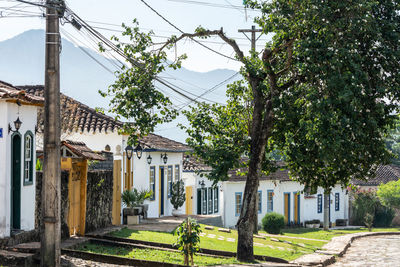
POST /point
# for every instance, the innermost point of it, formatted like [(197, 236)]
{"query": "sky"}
[(185, 14)]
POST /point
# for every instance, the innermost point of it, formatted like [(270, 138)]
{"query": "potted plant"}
[(317, 223), (132, 200), (178, 196), (309, 224)]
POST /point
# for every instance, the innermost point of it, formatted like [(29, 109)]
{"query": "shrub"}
[(178, 196), (383, 216), (273, 223)]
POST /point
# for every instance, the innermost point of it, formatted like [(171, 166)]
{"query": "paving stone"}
[(211, 235), (224, 230), (287, 242), (372, 251), (274, 239), (221, 238), (259, 236), (209, 227), (230, 239), (258, 244)]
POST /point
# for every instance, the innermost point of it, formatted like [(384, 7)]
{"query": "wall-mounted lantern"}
[(17, 125), (149, 158), (164, 157), (129, 151), (202, 184), (139, 151)]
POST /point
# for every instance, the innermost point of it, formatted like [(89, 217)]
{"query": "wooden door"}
[(287, 207), (116, 213), (16, 182), (77, 197), (296, 202), (189, 200)]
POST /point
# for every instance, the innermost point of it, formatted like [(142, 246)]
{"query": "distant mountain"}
[(22, 63)]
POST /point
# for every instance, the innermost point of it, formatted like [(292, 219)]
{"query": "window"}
[(337, 206), (259, 201), (177, 173), (216, 192), (28, 159), (270, 200), (238, 203), (153, 182), (169, 179), (210, 200), (204, 195), (319, 203)]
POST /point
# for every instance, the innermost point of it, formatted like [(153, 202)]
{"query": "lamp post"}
[(17, 125), (202, 184)]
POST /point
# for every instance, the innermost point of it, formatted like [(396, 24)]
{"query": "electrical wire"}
[(170, 23)]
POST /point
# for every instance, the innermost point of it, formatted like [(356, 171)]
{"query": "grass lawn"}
[(153, 255), (213, 239), (328, 235)]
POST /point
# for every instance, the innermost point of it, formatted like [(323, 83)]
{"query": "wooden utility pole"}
[(51, 184), (253, 41)]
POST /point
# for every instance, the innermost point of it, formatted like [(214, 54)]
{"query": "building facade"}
[(17, 159)]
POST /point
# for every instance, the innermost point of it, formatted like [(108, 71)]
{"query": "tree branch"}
[(207, 33)]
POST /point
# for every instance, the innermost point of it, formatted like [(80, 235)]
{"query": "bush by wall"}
[(273, 222)]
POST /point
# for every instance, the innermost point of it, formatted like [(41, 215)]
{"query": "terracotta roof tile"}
[(383, 174), (76, 117), (193, 164), (154, 142), (8, 91), (81, 150)]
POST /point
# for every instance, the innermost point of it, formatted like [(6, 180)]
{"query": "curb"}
[(336, 247)]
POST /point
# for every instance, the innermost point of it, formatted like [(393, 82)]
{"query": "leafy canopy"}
[(134, 94), (331, 76), (389, 194)]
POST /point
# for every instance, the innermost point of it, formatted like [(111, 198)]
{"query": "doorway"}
[(296, 207), (286, 197), (16, 181), (161, 204)]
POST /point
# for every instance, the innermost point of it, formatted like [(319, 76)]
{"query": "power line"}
[(170, 23)]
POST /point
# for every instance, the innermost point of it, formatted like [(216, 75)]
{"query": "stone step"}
[(14, 258), (31, 247)]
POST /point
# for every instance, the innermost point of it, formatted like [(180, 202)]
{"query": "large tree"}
[(322, 92)]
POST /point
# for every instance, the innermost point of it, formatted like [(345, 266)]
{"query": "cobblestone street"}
[(372, 251)]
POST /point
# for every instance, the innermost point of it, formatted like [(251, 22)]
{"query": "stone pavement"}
[(372, 251)]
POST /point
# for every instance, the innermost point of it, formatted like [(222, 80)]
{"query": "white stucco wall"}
[(27, 115), (193, 179), (98, 141), (308, 206), (141, 179)]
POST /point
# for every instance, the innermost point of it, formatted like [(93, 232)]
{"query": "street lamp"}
[(186, 158), (139, 151), (164, 157), (149, 158), (17, 125), (129, 151)]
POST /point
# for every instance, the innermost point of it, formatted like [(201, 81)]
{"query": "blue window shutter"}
[(320, 203), (337, 202)]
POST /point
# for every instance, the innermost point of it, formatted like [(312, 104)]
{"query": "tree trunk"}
[(326, 210)]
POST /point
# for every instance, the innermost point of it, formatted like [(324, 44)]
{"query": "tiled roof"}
[(154, 142), (192, 164), (76, 117), (383, 174), (8, 91), (81, 150)]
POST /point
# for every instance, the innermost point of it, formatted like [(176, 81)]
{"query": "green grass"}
[(328, 235), (153, 255), (261, 246)]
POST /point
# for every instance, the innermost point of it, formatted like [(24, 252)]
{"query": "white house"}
[(277, 193), (159, 164), (17, 159)]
